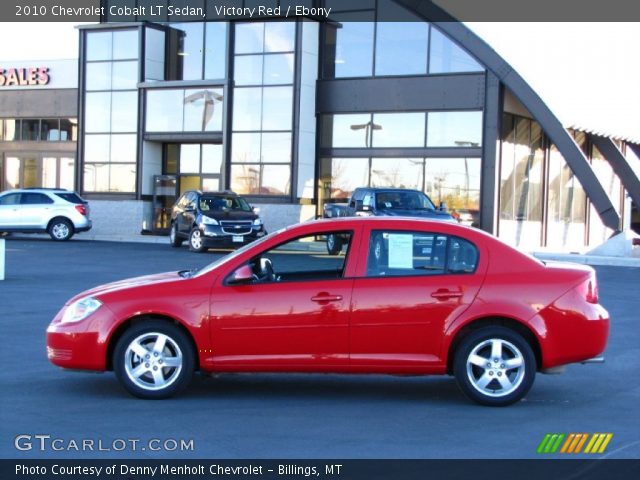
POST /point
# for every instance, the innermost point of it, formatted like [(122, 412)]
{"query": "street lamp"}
[(466, 143), (367, 127)]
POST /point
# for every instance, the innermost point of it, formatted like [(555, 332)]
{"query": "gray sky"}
[(587, 73)]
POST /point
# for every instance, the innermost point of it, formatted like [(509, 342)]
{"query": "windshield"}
[(403, 200), (224, 204)]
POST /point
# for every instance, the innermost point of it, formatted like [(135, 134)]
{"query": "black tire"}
[(196, 240), (174, 237), (60, 229), (143, 377), (334, 244), (490, 376)]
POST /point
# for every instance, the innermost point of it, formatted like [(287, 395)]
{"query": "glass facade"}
[(262, 125), (111, 111)]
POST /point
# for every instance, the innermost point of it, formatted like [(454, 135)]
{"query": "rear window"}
[(70, 197)]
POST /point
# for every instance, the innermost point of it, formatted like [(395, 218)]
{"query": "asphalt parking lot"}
[(285, 416)]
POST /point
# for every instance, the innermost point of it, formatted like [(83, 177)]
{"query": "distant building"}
[(300, 112)]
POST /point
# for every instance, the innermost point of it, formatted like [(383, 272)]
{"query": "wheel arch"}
[(60, 217), (124, 326), (515, 325)]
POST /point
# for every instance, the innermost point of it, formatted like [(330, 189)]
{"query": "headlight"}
[(257, 222), (209, 221), (80, 309)]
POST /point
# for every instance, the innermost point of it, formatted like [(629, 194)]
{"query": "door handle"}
[(325, 298), (444, 294)]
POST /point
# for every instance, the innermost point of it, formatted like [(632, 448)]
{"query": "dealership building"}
[(297, 112)]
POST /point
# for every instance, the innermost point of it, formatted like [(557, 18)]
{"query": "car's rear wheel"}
[(196, 242), (334, 244), (154, 360), (174, 238), (60, 229), (494, 366)]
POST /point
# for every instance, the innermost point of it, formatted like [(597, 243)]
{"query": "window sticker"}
[(400, 250)]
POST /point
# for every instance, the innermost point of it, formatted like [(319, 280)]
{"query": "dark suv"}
[(214, 219)]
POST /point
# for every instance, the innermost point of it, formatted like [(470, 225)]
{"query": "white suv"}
[(58, 212)]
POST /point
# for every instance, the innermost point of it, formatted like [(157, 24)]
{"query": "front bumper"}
[(81, 345), (217, 236)]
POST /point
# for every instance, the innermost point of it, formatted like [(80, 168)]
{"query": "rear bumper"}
[(84, 228)]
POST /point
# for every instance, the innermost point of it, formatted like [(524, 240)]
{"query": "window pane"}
[(123, 148), (30, 129), (276, 180), (401, 48), (397, 172), (96, 177), (99, 76), (245, 147), (11, 130), (354, 46), (49, 172), (277, 108), (68, 129), (202, 110), (190, 49), (447, 57), (125, 44), (212, 159), (454, 129), (98, 112), (245, 179), (346, 174), (247, 109), (124, 111), (462, 256), (96, 148), (276, 147), (278, 69), (99, 45), (189, 158), (279, 36), (123, 178), (248, 69), (67, 173), (210, 184), (455, 181), (215, 50), (249, 37), (164, 110), (49, 130), (398, 129), (406, 253), (125, 75), (349, 130)]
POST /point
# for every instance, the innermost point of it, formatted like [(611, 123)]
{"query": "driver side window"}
[(299, 260)]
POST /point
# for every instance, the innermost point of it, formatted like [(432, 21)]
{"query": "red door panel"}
[(286, 326)]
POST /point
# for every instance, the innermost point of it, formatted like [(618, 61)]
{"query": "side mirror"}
[(359, 206), (443, 207), (242, 275)]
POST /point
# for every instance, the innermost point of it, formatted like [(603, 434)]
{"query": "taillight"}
[(81, 209), (591, 294)]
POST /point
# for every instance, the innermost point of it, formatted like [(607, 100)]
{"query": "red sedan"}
[(404, 296)]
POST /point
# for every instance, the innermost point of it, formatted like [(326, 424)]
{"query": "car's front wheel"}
[(154, 360), (174, 238), (196, 242), (60, 229), (494, 366)]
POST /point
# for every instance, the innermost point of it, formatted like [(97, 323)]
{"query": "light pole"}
[(466, 143), (367, 127)]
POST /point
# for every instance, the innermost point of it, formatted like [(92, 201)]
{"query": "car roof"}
[(37, 190)]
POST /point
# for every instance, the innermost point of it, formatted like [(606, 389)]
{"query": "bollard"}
[(2, 259)]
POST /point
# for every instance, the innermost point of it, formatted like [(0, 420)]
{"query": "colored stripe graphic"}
[(573, 443)]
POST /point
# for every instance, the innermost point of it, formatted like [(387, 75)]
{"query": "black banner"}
[(358, 10), (579, 469)]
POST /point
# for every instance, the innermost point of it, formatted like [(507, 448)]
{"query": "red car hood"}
[(128, 283)]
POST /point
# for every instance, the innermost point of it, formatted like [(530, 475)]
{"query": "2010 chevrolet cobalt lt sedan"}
[(403, 296)]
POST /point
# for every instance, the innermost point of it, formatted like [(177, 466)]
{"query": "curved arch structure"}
[(574, 157)]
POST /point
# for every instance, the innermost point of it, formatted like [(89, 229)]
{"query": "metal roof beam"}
[(620, 165)]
